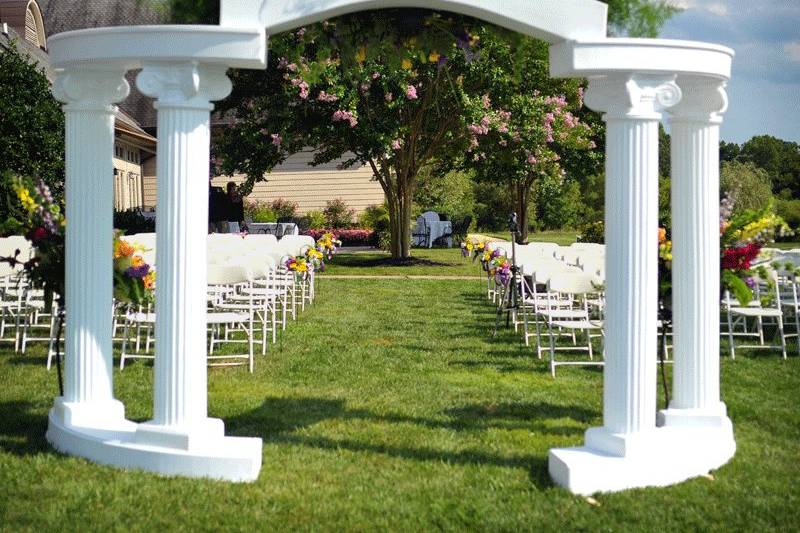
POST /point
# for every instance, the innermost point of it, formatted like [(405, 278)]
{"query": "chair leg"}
[(783, 336), (731, 346)]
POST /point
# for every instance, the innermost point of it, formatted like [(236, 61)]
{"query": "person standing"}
[(217, 210), (235, 210)]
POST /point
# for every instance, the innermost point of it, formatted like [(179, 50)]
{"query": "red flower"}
[(37, 234), (740, 257)]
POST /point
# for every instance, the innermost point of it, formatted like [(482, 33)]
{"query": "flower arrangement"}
[(42, 223), (327, 245), (134, 280), (742, 237), (473, 247), (300, 265), (500, 268)]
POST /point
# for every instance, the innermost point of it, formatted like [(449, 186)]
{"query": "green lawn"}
[(388, 406)]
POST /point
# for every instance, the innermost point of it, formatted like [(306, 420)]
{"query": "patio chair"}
[(422, 232)]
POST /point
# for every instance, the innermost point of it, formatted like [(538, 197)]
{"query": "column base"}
[(710, 417), (182, 437), (106, 414), (662, 456), (224, 458)]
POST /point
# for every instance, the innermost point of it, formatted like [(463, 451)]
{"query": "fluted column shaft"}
[(181, 228), (631, 234), (184, 92), (695, 244), (89, 197)]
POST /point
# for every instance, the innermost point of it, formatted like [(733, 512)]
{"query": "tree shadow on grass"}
[(278, 419), (22, 429), (354, 260)]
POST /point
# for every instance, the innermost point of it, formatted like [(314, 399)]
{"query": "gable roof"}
[(68, 15)]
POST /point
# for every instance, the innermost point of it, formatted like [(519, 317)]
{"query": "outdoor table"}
[(287, 228)]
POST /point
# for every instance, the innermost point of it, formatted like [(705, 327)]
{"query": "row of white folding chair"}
[(533, 298), (773, 309), (142, 319)]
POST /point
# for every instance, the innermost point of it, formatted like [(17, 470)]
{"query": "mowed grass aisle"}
[(389, 406)]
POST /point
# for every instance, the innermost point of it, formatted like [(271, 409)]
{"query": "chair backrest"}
[(571, 283), (543, 248), (228, 274), (430, 216)]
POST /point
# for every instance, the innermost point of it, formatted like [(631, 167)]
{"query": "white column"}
[(696, 256), (89, 93), (631, 104), (184, 92)]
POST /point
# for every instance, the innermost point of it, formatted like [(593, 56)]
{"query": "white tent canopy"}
[(637, 83)]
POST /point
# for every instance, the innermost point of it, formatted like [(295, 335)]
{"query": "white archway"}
[(633, 81)]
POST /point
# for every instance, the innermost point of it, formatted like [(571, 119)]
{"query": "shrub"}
[(284, 208), (451, 194), (789, 210), (349, 237), (260, 212), (337, 214), (315, 220), (593, 232), (131, 221), (371, 216)]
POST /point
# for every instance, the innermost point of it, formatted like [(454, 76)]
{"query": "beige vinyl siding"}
[(313, 187), (149, 182)]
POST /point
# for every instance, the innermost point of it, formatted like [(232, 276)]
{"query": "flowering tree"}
[(391, 89)]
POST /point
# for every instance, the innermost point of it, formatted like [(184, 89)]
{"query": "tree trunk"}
[(521, 194), (394, 227), (406, 201)]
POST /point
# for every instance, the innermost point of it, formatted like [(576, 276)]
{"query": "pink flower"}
[(487, 102), (345, 116), (283, 63), (276, 139), (301, 32), (325, 97), (396, 144), (389, 97), (376, 75), (485, 122), (411, 92)]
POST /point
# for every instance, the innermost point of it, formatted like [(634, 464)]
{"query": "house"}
[(24, 22), (135, 183)]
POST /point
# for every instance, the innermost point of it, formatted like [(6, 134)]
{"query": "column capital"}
[(187, 84), (91, 88), (633, 96), (704, 100)]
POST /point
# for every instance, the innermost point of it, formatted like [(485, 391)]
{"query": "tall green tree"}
[(31, 127), (781, 160)]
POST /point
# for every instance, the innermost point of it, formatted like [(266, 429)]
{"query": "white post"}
[(631, 103), (89, 93), (184, 92), (696, 256)]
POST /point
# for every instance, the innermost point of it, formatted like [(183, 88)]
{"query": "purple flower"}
[(138, 272)]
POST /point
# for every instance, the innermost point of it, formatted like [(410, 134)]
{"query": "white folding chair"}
[(761, 315)]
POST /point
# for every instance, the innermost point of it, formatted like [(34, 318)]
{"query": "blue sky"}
[(764, 91)]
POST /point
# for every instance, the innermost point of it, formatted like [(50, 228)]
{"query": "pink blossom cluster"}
[(345, 116), (411, 93), (389, 97), (303, 86), (396, 144), (276, 139), (486, 101), (325, 97)]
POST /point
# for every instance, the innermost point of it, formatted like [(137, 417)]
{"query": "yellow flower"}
[(137, 261), (434, 57), (150, 280), (122, 249), (361, 55), (406, 64), (25, 199)]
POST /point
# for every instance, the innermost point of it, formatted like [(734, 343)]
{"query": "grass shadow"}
[(22, 429)]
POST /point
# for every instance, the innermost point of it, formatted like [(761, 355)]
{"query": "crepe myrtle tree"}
[(525, 139), (391, 89)]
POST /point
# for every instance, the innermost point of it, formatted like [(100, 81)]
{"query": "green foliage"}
[(493, 204), (728, 151), (284, 209), (315, 219), (638, 18), (739, 289), (557, 203), (371, 216), (593, 232), (260, 212), (748, 185), (131, 221), (31, 127), (337, 214), (450, 193), (789, 210), (779, 158)]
